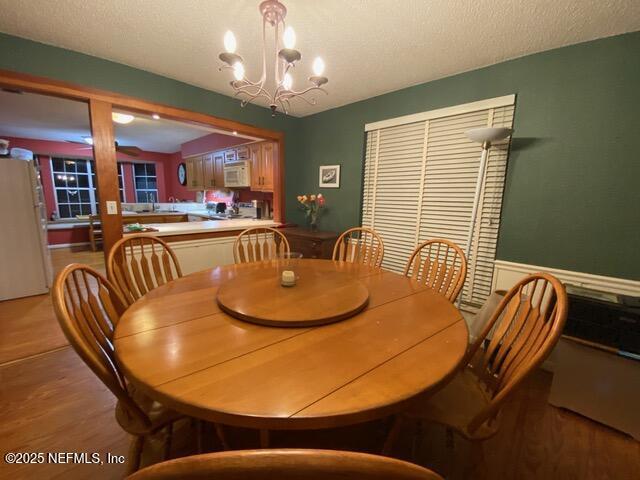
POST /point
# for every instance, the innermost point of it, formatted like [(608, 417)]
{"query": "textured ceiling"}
[(50, 118), (370, 46)]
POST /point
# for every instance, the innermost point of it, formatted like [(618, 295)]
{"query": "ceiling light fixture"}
[(122, 118), (273, 13), (155, 116)]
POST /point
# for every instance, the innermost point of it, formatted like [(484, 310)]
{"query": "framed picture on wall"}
[(330, 176)]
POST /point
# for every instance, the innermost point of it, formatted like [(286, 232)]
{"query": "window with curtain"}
[(420, 174), (145, 182)]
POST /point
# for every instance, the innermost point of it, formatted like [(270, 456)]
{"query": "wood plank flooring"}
[(51, 402)]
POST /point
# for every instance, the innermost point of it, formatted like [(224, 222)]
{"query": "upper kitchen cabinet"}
[(213, 170), (261, 156), (268, 159), (195, 173)]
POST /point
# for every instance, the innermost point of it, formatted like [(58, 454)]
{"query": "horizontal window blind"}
[(419, 184)]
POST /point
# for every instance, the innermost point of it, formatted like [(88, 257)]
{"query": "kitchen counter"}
[(202, 229)]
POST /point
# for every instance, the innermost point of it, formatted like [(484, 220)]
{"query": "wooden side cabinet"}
[(311, 244)]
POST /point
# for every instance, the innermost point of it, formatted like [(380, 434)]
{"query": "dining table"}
[(349, 343)]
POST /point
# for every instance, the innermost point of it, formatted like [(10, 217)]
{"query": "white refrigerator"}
[(25, 263)]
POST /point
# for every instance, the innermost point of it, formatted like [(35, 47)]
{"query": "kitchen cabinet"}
[(230, 156), (195, 173), (154, 218), (262, 157), (242, 153), (213, 170), (268, 160), (311, 244)]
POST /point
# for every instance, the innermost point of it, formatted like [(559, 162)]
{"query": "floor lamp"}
[(485, 136)]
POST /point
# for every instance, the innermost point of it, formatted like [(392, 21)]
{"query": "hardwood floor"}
[(51, 402)]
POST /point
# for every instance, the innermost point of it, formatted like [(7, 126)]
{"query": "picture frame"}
[(329, 176)]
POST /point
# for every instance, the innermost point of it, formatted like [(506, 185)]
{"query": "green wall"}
[(572, 197)]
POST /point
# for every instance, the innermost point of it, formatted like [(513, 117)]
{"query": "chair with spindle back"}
[(258, 244), (518, 337), (285, 464), (441, 265), (139, 263), (359, 245), (95, 231), (88, 308)]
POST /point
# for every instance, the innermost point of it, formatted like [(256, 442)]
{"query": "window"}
[(121, 181), (420, 173), (145, 181), (74, 187)]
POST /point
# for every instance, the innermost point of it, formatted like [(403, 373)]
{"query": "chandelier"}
[(285, 58)]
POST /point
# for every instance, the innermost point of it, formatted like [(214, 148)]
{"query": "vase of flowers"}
[(312, 206)]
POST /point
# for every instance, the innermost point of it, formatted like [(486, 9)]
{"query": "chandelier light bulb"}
[(289, 38), (287, 83), (238, 71), (318, 66), (230, 43)]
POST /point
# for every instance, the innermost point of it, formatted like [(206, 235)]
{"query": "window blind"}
[(420, 174)]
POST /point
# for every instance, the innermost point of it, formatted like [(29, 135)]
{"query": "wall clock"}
[(182, 174)]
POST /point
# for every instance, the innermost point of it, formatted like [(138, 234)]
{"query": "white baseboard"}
[(67, 245), (506, 274)]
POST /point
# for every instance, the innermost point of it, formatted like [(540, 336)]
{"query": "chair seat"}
[(455, 405), (155, 411)]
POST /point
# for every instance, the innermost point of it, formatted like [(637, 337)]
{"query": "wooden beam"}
[(32, 83), (278, 182), (104, 154)]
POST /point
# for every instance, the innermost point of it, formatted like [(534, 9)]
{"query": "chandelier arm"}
[(293, 93), (279, 75), (253, 95)]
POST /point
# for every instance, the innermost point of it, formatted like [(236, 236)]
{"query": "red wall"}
[(45, 149)]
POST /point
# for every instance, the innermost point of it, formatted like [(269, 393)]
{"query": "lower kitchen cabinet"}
[(312, 244)]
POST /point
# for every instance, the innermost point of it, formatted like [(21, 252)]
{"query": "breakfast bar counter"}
[(181, 231)]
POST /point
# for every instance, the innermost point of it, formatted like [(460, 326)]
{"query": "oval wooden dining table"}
[(178, 346)]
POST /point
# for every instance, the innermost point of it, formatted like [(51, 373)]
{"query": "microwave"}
[(237, 174)]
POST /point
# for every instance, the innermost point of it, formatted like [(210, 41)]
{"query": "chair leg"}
[(392, 436), (450, 439), (264, 438), (416, 440), (200, 428), (135, 454), (167, 443), (221, 436)]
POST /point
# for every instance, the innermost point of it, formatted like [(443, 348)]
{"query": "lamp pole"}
[(485, 136)]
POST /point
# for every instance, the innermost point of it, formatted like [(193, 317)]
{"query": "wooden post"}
[(104, 154)]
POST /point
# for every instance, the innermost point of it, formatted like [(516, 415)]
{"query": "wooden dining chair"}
[(88, 308), (518, 337), (95, 231), (359, 245), (441, 265), (258, 244), (285, 464), (139, 263)]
